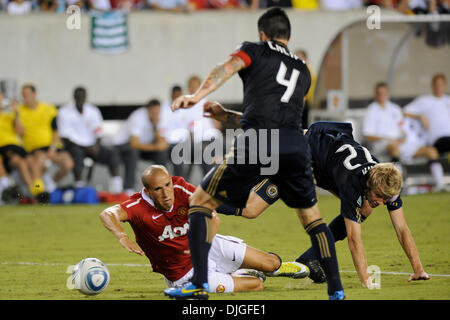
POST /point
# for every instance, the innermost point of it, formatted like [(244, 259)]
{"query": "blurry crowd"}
[(185, 6), (35, 135), (421, 129)]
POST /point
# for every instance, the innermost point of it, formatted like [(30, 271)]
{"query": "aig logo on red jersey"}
[(170, 233)]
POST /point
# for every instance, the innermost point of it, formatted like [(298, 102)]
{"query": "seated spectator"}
[(224, 4), (41, 138), (414, 146), (433, 111), (12, 155), (338, 5), (16, 7), (80, 126), (381, 126), (169, 5), (302, 54), (422, 6), (139, 137), (174, 127), (127, 4)]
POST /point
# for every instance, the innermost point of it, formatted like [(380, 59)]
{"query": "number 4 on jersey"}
[(289, 84)]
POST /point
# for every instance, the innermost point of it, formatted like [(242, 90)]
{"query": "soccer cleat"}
[(294, 270), (316, 273), (338, 295), (254, 273), (188, 292)]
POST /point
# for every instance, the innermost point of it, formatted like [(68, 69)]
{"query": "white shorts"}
[(225, 257), (409, 148)]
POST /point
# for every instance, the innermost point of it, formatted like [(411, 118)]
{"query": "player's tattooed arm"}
[(218, 76)]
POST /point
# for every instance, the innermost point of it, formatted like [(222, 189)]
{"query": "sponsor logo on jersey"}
[(272, 191)]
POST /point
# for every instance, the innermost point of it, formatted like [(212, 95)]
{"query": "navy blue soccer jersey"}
[(275, 83), (341, 166)]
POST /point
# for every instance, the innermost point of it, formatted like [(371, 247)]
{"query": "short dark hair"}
[(275, 24), (153, 103), (29, 86), (80, 88), (176, 88)]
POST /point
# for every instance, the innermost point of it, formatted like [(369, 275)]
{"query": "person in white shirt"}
[(174, 127), (433, 111), (80, 126), (203, 130), (139, 137), (381, 126), (415, 146), (17, 7)]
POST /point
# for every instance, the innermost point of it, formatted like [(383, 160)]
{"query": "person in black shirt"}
[(348, 170), (275, 83)]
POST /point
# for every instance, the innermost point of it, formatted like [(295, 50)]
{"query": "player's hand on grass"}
[(130, 245), (184, 102), (419, 276)]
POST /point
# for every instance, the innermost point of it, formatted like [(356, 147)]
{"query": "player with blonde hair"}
[(348, 170)]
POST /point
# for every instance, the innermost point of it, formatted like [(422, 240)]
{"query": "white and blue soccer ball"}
[(90, 276)]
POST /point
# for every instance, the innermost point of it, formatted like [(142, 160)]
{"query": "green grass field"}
[(38, 243)]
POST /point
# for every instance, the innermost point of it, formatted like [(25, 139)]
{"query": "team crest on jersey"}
[(220, 288), (182, 211), (272, 191)]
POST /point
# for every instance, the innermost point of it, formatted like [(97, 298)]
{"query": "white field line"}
[(148, 265)]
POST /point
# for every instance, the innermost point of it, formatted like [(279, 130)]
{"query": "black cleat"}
[(316, 273)]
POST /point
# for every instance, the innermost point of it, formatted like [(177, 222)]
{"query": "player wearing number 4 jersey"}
[(348, 170), (275, 84), (158, 216)]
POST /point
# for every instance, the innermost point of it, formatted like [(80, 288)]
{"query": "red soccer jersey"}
[(162, 235)]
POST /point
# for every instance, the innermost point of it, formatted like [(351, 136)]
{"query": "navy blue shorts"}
[(231, 181), (8, 151)]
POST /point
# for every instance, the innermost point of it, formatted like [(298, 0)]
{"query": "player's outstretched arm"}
[(356, 247), (218, 76), (111, 219), (406, 240), (214, 110)]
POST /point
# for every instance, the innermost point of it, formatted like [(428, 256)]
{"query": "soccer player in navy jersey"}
[(348, 170), (275, 83)]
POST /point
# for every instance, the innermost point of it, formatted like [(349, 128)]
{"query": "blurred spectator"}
[(224, 4), (12, 155), (41, 138), (444, 7), (422, 6), (174, 127), (433, 111), (80, 126), (19, 7), (139, 137), (127, 4), (48, 5), (302, 54), (100, 5), (275, 3), (169, 5), (203, 130), (414, 146), (382, 123), (306, 4), (341, 4)]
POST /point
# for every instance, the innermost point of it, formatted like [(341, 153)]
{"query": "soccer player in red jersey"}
[(158, 216)]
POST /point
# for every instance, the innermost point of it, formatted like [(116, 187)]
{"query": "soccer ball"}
[(90, 276)]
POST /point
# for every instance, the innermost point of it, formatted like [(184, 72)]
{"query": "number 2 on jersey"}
[(353, 155), (289, 84)]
